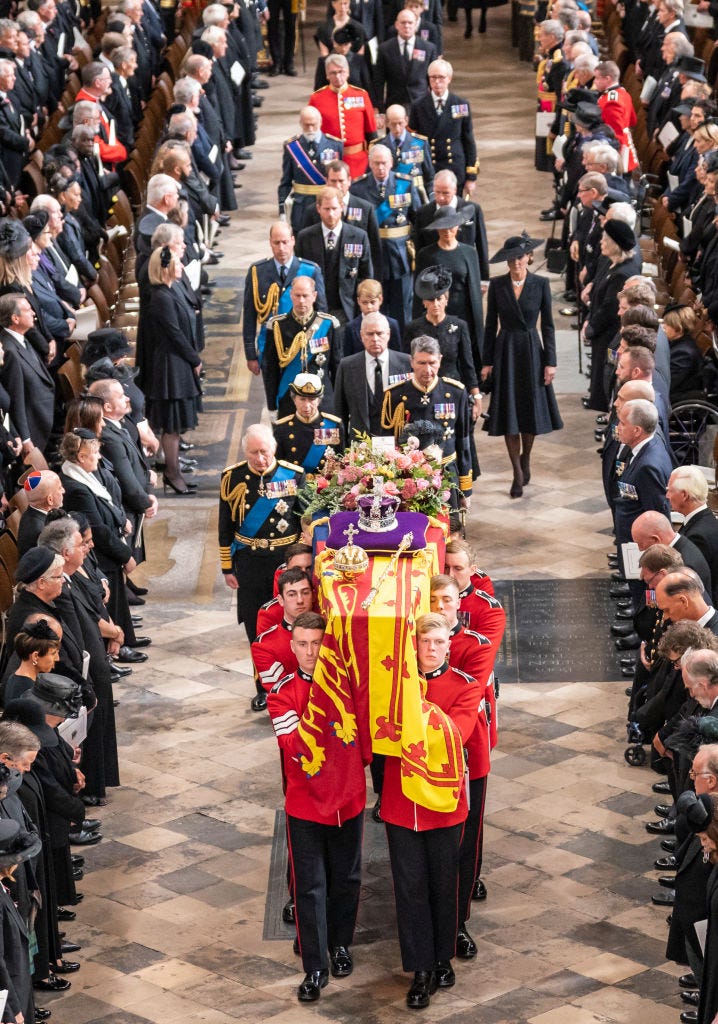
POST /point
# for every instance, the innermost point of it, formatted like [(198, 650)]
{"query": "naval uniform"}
[(424, 844), (293, 347), (306, 442), (446, 402), (303, 174), (348, 115), (258, 518), (324, 851), (394, 200), (411, 156), (450, 132)]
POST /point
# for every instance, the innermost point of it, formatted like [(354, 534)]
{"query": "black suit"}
[(31, 390), (702, 529), (351, 391), (119, 104), (473, 233), (32, 523), (14, 143), (399, 80), (129, 466), (360, 214), (693, 557), (348, 270)]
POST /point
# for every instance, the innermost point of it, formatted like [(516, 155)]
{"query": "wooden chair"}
[(70, 379), (8, 553), (6, 598), (19, 500), (12, 523)]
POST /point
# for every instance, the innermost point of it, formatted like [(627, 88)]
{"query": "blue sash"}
[(316, 453), (284, 304), (261, 509), (304, 164), (384, 210), (292, 369)]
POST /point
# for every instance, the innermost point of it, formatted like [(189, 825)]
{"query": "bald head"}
[(45, 494), (652, 528)]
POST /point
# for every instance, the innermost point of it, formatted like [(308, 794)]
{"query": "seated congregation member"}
[(306, 436), (474, 655), (370, 298), (37, 646), (424, 845), (44, 492), (324, 851), (301, 340), (272, 652), (25, 374)]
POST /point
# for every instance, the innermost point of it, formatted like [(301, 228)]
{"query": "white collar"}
[(706, 617), (81, 476), (641, 444), (19, 338), (695, 512)]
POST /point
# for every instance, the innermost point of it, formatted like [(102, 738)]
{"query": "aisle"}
[(177, 924)]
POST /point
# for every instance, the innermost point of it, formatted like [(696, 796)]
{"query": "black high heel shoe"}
[(189, 490), (468, 32), (516, 489)]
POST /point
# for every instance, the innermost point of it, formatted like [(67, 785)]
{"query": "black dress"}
[(686, 362), (325, 30), (171, 353), (520, 401), (709, 988), (465, 293), (458, 360)]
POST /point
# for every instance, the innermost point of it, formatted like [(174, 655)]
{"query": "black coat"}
[(32, 523), (351, 395), (686, 362), (451, 136), (702, 530), (709, 989), (473, 233), (31, 390), (107, 521), (397, 83), (15, 961), (351, 269), (13, 142), (465, 300), (170, 357), (129, 466)]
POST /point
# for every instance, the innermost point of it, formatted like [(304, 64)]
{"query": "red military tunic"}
[(270, 614), (486, 614), (349, 116), (618, 113), (111, 153), (459, 696), (286, 704), (272, 656), (482, 581), (473, 654)]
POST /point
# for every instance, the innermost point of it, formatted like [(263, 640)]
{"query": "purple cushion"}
[(406, 522)]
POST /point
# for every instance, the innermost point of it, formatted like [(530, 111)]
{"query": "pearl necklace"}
[(518, 284)]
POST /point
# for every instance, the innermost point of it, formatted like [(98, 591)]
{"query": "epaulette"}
[(290, 465), (493, 601), (470, 632), (266, 633), (334, 138), (278, 686), (268, 604), (328, 416), (467, 677), (328, 316), (363, 177), (417, 135), (402, 176), (456, 383), (228, 469), (276, 318), (293, 139), (284, 419)]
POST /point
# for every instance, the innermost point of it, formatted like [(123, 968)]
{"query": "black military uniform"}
[(450, 134), (293, 347), (447, 404), (411, 156), (258, 519), (303, 174), (306, 441)]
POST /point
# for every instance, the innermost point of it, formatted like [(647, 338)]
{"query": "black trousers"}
[(255, 573), (398, 293), (425, 868), (326, 862), (471, 846), (282, 50)]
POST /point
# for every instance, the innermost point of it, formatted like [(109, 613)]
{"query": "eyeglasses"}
[(694, 775)]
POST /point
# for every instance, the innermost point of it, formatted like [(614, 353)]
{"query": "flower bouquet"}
[(416, 477)]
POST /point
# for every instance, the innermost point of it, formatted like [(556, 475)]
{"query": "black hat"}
[(34, 564), (17, 845), (346, 34), (448, 217), (697, 811), (673, 307), (107, 341), (516, 246), (84, 433), (35, 223), (432, 282), (620, 233), (57, 695), (575, 96), (588, 115), (427, 432), (683, 108), (308, 385), (691, 67), (14, 239)]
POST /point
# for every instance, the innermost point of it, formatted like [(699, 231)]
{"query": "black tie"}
[(378, 379), (439, 106), (627, 460), (405, 54), (282, 275)]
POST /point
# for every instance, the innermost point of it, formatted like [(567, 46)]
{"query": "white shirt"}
[(444, 99), (409, 44), (336, 231), (641, 444), (706, 617), (370, 363)]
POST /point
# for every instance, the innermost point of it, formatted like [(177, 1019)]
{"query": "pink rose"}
[(391, 488), (417, 458), (421, 484), (445, 495), (368, 467), (322, 482), (403, 461), (349, 501), (436, 479), (409, 489), (356, 490)]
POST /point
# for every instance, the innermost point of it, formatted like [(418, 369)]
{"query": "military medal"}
[(282, 526), (425, 399), (282, 506), (262, 488)]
